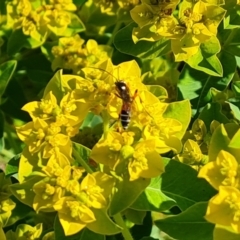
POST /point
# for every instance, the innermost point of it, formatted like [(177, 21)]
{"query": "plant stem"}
[(81, 161), (115, 30), (125, 232)]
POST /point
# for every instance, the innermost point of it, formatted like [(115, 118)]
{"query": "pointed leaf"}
[(103, 225), (6, 71), (213, 111), (12, 165), (127, 192), (135, 216), (124, 43), (188, 225), (180, 182), (176, 109), (153, 199), (195, 85)]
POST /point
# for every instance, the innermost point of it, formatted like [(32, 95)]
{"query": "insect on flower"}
[(123, 92)]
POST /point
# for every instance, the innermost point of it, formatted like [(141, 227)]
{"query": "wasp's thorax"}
[(123, 91)]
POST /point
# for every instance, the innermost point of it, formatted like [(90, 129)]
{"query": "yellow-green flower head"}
[(141, 158), (47, 193), (46, 109), (33, 134), (225, 171), (73, 215), (154, 20), (128, 4), (191, 153), (6, 206), (109, 7), (163, 131), (72, 54), (63, 5), (26, 232), (224, 208), (91, 193)]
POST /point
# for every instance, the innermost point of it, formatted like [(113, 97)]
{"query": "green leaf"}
[(158, 91), (149, 238), (235, 141), (76, 26), (135, 216), (139, 231), (55, 85), (6, 71), (153, 199), (104, 225), (85, 234), (188, 225), (195, 85), (221, 140), (12, 165), (206, 60), (83, 151), (176, 109), (91, 120), (180, 182), (233, 46), (232, 18), (213, 111), (18, 40), (2, 119), (24, 191), (143, 49), (127, 192)]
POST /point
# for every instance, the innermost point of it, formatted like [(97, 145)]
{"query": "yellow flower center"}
[(115, 145), (234, 202)]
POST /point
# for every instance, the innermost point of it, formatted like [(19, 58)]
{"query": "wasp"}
[(123, 92)]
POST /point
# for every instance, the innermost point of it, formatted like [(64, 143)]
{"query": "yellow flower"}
[(73, 215), (25, 231), (33, 134), (224, 171), (120, 149), (72, 54), (47, 193), (224, 208), (46, 109), (6, 207)]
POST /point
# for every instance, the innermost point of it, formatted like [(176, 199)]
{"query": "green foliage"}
[(120, 118)]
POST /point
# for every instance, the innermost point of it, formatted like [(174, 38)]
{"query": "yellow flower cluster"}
[(71, 53), (196, 23), (111, 7), (52, 169), (223, 173), (39, 18)]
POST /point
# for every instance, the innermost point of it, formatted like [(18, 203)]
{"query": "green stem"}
[(125, 232), (115, 30), (81, 161)]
